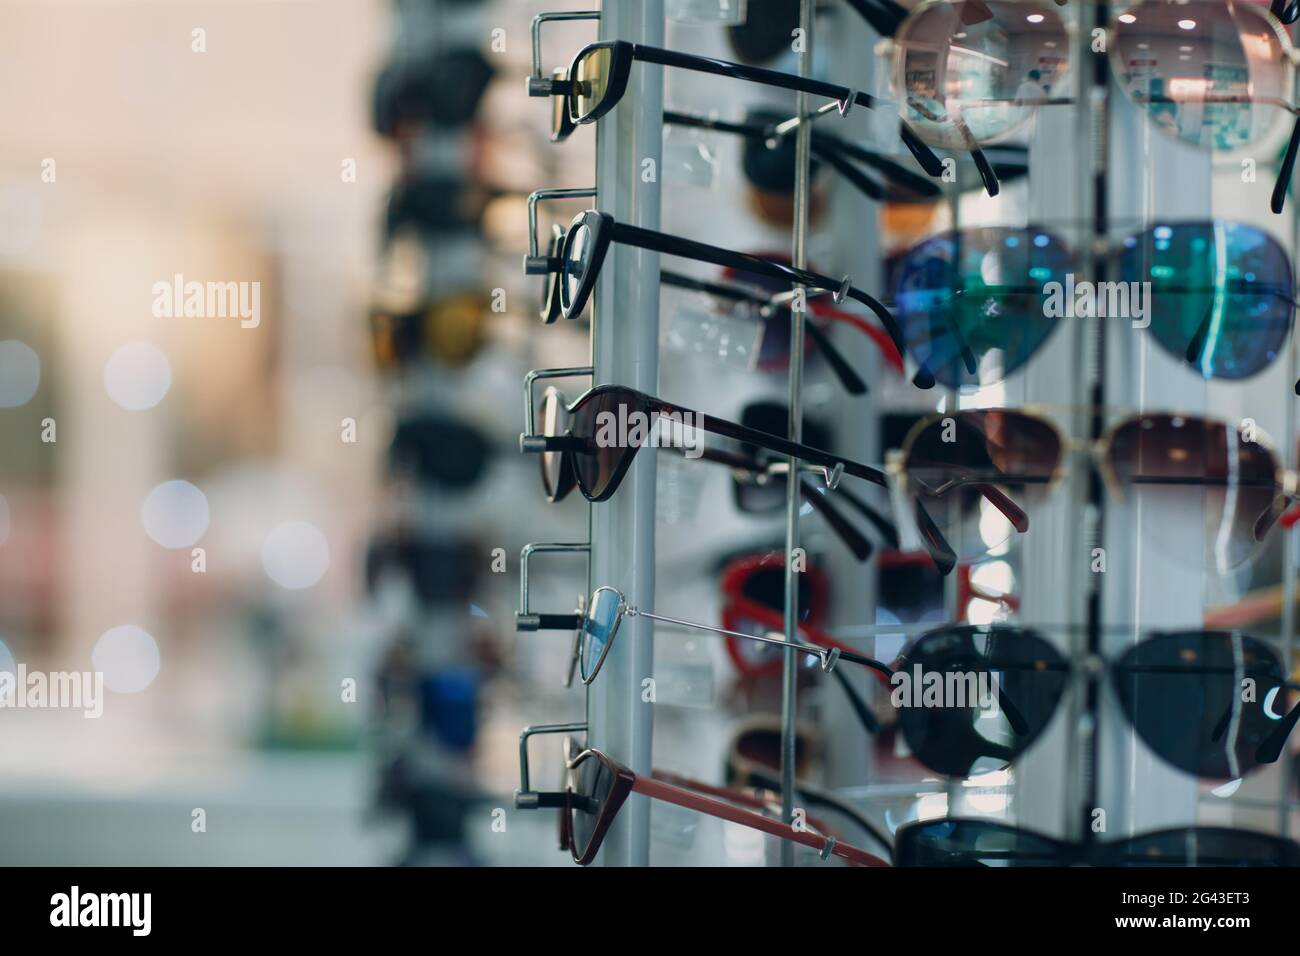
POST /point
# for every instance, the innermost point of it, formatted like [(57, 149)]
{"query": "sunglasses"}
[(451, 330), (597, 787), (1218, 297), (554, 420), (970, 842), (1182, 693), (434, 89), (1210, 74), (587, 243), (606, 609), (441, 572), (597, 79), (440, 451), (579, 434), (953, 467)]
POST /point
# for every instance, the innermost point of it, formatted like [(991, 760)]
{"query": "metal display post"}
[(625, 350)]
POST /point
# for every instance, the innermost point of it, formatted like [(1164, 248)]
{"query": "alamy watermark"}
[(956, 689), (177, 299), (55, 690), (632, 429), (1083, 299)]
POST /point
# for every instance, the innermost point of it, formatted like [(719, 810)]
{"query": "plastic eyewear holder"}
[(1198, 68), (587, 243), (960, 841), (951, 464), (1184, 693), (598, 787), (1216, 295)]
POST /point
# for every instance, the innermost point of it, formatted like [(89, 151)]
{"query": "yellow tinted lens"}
[(454, 329), (590, 80)]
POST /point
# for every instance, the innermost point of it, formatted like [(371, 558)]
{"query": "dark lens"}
[(591, 781), (975, 698), (1219, 294), (984, 293), (550, 310), (1176, 59), (952, 463), (973, 843), (766, 586), (764, 37), (576, 257), (1170, 467), (1203, 700), (561, 125), (440, 451), (1203, 846), (597, 422), (553, 421)]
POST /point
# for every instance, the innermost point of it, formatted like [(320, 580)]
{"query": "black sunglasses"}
[(433, 88), (598, 76), (1182, 692), (441, 572), (972, 842), (598, 465), (587, 243), (438, 450)]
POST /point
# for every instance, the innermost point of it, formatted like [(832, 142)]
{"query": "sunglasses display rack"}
[(1088, 492)]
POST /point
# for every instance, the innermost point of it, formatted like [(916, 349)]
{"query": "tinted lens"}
[(984, 63), (553, 421), (1205, 72), (1185, 696), (590, 81), (986, 290), (976, 698), (766, 36), (1170, 468), (576, 256), (591, 781), (550, 310), (957, 465), (439, 451), (973, 843), (598, 630), (595, 422), (766, 586), (1219, 294), (1203, 846), (561, 125)]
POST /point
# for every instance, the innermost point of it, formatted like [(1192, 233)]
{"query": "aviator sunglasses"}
[(1217, 296), (950, 463), (1183, 693), (974, 842), (1211, 74)]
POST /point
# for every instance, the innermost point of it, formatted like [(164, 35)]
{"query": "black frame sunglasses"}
[(598, 470), (1181, 692), (587, 242), (958, 841)]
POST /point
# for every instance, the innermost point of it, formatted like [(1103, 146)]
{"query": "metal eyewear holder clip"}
[(830, 475), (530, 442), (525, 797), (525, 620), (539, 85), (536, 264)]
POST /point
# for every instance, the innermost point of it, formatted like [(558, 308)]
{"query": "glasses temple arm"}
[(843, 528), (658, 790), (754, 74), (883, 525), (825, 800), (811, 650), (830, 144), (855, 177), (920, 151), (936, 545)]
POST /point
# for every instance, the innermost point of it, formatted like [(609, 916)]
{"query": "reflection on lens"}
[(553, 422), (1219, 295), (590, 80), (1206, 72), (973, 71), (596, 466), (985, 695), (973, 843), (575, 262), (598, 629), (984, 289), (1183, 695), (957, 464), (1202, 846), (1169, 467)]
